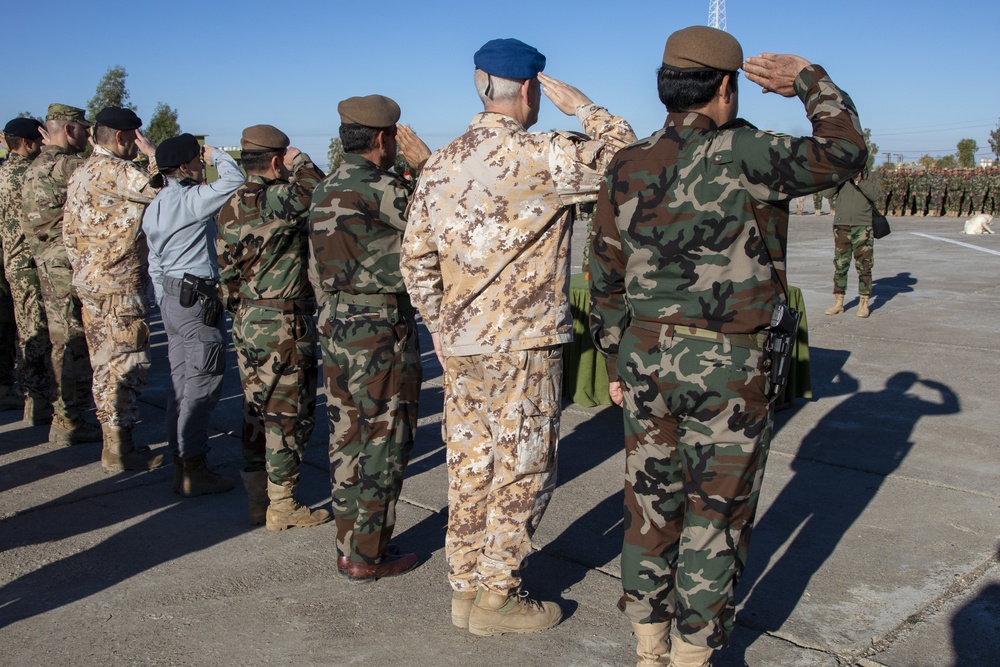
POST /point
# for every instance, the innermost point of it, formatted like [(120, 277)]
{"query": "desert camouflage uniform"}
[(486, 259), (43, 198), (371, 356), (34, 373), (8, 353), (263, 254), (688, 263), (107, 249)]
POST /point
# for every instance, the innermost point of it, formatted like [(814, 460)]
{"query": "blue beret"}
[(118, 118), (509, 58), (175, 151)]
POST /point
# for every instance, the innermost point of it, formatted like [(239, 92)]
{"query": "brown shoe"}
[(344, 561), (390, 566)]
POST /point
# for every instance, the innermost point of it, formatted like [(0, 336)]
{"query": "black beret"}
[(118, 119), (175, 151), (26, 128), (509, 58)]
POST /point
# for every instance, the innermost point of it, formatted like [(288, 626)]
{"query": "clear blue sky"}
[(923, 74)]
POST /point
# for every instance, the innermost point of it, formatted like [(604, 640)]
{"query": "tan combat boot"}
[(461, 607), (838, 305), (496, 613), (198, 480), (120, 453), (863, 307), (284, 511), (37, 411), (683, 654), (653, 644), (67, 432), (178, 473), (256, 485)]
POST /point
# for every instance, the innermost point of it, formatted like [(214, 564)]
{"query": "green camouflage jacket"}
[(262, 243), (691, 222), (44, 196)]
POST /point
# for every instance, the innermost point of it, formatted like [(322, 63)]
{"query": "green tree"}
[(28, 114), (111, 92), (926, 160), (995, 141), (967, 152), (945, 162), (872, 148), (335, 155), (163, 124)]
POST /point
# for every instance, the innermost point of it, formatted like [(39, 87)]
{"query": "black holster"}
[(779, 346), (195, 289)]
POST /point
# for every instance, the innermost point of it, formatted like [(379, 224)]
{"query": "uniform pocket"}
[(538, 414), (209, 354), (129, 330)]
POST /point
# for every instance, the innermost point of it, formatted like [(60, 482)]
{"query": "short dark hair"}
[(258, 161), (104, 134), (356, 138), (14, 143), (684, 91)]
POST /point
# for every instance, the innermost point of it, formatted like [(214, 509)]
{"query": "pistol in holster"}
[(195, 289), (779, 346)]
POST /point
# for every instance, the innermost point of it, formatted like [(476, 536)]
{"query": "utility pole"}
[(717, 14)]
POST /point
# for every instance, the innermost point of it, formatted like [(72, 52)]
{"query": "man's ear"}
[(525, 92), (277, 162), (727, 88)]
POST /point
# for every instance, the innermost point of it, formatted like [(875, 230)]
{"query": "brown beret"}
[(370, 111), (702, 49), (263, 138)]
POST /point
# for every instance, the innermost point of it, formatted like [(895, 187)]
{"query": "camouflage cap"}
[(26, 128), (66, 112), (370, 111), (702, 49), (118, 118), (263, 138)]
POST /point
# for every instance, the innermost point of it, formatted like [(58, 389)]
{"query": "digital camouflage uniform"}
[(852, 235), (8, 353), (919, 192), (106, 246), (486, 259), (688, 262), (371, 356), (43, 198), (34, 372), (263, 254)]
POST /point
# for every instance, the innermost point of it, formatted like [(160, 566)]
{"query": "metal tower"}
[(717, 14)]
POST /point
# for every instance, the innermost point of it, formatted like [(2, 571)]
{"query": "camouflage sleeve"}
[(608, 308), (777, 168), (577, 161), (289, 202), (419, 262), (134, 185), (62, 170), (393, 203), (226, 245)]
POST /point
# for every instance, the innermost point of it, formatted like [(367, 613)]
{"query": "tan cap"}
[(263, 138), (702, 49), (66, 112), (370, 111)]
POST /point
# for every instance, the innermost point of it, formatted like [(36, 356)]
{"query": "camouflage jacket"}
[(263, 243), (486, 254), (691, 222), (356, 224), (11, 187), (44, 196), (102, 229)]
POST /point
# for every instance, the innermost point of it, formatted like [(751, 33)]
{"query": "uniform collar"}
[(493, 119)]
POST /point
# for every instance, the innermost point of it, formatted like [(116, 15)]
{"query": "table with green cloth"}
[(585, 376)]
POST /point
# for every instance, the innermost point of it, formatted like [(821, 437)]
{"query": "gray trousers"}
[(197, 356)]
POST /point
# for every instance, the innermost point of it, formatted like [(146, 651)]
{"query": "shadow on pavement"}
[(838, 470)]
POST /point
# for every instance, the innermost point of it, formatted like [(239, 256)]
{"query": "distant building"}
[(986, 162)]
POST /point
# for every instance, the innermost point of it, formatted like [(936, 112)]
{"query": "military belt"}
[(750, 341), (296, 306), (375, 300), (173, 286)]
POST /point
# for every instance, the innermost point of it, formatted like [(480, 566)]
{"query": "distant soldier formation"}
[(939, 192)]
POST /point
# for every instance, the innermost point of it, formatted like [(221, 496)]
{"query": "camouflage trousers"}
[(276, 355), (117, 330), (197, 354), (34, 369), (371, 379), (71, 365), (697, 433), (858, 242), (501, 428), (8, 353)]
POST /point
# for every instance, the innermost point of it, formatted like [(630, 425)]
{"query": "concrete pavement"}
[(876, 541)]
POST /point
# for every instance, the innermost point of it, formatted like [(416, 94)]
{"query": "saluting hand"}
[(145, 145), (566, 98), (414, 150), (290, 154), (775, 72)]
